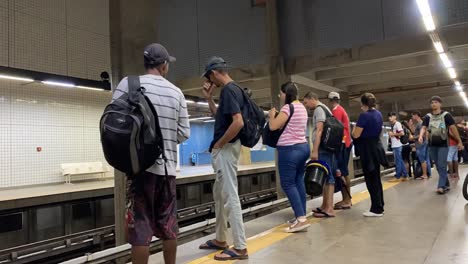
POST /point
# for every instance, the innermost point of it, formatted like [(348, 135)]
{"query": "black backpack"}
[(130, 134), (270, 138), (405, 138), (254, 120), (332, 135)]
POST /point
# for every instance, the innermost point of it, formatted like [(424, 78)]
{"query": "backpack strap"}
[(291, 112), (134, 87), (327, 112)]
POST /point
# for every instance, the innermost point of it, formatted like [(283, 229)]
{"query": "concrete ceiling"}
[(403, 72)]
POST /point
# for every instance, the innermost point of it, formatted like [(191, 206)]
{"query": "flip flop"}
[(317, 210), (322, 215), (232, 256), (209, 245), (341, 207)]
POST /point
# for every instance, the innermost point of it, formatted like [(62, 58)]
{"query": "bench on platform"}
[(69, 170)]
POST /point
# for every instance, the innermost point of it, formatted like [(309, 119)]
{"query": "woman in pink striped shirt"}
[(293, 152)]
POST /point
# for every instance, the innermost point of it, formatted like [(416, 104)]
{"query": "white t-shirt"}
[(397, 128)]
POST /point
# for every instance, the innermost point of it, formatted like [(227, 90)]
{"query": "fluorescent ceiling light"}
[(58, 84), (438, 46), (8, 77), (426, 14), (462, 94), (209, 121), (189, 101), (202, 103), (90, 88), (458, 87), (457, 83), (452, 73), (445, 60)]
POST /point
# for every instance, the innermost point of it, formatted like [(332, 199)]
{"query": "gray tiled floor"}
[(419, 226)]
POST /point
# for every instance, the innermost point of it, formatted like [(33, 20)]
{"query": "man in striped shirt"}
[(151, 198)]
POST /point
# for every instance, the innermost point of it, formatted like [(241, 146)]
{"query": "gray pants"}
[(225, 195)]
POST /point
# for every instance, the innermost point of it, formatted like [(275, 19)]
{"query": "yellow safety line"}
[(271, 236)]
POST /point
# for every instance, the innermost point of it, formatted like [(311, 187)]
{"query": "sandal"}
[(232, 255), (297, 226), (322, 215), (317, 210), (210, 245), (341, 207)]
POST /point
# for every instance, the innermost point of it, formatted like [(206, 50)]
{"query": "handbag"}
[(271, 137)]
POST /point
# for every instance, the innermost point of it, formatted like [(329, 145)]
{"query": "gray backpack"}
[(437, 129)]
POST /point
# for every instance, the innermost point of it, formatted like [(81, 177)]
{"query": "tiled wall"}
[(66, 37), (63, 122)]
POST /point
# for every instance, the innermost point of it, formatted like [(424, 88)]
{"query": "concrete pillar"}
[(133, 25), (277, 74)]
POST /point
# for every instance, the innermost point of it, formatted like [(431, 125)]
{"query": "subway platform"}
[(419, 226)]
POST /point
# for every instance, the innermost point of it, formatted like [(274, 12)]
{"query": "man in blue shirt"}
[(225, 150)]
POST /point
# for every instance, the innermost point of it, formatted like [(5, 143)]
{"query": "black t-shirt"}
[(231, 101), (448, 120)]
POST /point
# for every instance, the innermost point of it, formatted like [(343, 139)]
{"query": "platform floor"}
[(61, 188), (419, 226)]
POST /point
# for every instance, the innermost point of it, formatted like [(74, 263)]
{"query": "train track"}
[(198, 220)]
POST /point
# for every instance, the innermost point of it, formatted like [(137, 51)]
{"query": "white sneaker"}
[(371, 214)]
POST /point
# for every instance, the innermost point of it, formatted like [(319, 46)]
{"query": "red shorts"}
[(151, 209)]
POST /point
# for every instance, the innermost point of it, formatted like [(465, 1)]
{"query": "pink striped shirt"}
[(296, 129)]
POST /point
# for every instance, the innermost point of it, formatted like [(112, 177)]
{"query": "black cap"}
[(214, 63), (391, 114), (436, 98), (156, 54)]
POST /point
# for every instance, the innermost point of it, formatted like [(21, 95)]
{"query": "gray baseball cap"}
[(157, 54), (214, 63)]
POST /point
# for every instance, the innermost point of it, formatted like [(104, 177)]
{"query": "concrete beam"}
[(378, 67), (314, 84), (399, 75), (379, 85), (240, 74), (393, 49)]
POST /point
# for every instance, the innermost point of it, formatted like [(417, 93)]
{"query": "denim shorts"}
[(452, 153), (330, 159)]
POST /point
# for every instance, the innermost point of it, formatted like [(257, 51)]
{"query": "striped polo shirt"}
[(295, 131), (169, 102)]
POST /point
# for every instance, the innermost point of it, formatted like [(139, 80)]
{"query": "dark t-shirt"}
[(371, 122), (448, 121), (231, 101)]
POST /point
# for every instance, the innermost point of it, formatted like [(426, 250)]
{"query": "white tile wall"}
[(52, 10), (66, 37), (5, 164), (38, 44), (5, 102), (89, 15), (62, 121)]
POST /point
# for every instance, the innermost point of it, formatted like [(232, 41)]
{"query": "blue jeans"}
[(291, 167), (439, 155), (399, 164), (330, 159), (422, 152)]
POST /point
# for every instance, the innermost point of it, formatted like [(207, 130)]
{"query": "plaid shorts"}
[(151, 209)]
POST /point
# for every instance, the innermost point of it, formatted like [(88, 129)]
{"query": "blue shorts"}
[(342, 159), (330, 159), (452, 153), (422, 152)]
